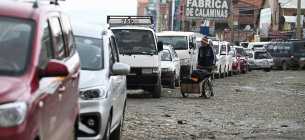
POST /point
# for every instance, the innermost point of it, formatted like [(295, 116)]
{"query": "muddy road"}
[(257, 105)]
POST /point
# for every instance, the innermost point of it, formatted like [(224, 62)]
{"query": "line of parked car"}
[(62, 80)]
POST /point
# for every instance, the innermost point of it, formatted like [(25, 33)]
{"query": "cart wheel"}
[(185, 94), (207, 89)]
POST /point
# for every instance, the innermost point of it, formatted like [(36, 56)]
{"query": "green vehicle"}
[(287, 54)]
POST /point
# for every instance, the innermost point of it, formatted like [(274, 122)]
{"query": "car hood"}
[(93, 78), (166, 64), (11, 88)]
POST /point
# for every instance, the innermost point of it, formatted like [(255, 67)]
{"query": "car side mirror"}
[(160, 46), (238, 55), (191, 45), (54, 68), (120, 68)]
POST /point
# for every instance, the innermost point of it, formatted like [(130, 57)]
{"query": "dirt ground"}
[(257, 105)]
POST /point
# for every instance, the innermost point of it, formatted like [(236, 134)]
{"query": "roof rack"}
[(38, 2), (146, 21)]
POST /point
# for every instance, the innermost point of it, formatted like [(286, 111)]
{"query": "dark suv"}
[(39, 72)]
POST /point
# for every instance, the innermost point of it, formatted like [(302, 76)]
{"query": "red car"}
[(39, 73), (236, 61), (243, 59)]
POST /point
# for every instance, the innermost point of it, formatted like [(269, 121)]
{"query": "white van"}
[(138, 47), (184, 44)]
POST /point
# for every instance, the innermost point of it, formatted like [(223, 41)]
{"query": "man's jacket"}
[(210, 57)]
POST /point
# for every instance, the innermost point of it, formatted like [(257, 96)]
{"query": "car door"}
[(119, 85), (68, 89), (49, 101)]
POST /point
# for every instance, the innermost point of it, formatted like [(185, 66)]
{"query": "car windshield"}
[(216, 47), (233, 52), (299, 48), (178, 42), (16, 39), (262, 55), (165, 55), (245, 45), (90, 52), (240, 51), (135, 41)]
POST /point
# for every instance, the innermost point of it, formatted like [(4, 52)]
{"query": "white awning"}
[(290, 19)]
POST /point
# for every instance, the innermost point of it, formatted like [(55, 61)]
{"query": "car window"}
[(135, 41), (58, 35), (68, 33), (46, 52), (16, 37), (262, 55), (177, 42), (240, 51), (165, 55), (270, 48), (299, 48), (114, 49), (90, 52), (287, 49)]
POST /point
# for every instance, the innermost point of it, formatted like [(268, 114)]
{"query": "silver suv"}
[(102, 87)]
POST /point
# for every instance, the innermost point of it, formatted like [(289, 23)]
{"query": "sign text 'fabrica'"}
[(202, 9)]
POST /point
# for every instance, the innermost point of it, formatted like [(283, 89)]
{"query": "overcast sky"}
[(96, 11)]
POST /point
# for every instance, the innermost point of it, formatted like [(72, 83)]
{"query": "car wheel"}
[(226, 72), (284, 66), (157, 90), (267, 70), (108, 128), (177, 82), (222, 74), (230, 73), (172, 82)]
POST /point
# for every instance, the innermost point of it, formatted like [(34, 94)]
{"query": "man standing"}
[(206, 57)]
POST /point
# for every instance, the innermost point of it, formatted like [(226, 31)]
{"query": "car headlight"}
[(150, 70), (185, 61), (94, 93), (12, 114)]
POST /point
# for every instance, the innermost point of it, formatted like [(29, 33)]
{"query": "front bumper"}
[(97, 110), (167, 77)]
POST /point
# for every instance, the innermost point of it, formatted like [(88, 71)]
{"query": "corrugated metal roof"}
[(291, 4), (290, 19)]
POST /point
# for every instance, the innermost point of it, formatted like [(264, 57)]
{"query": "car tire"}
[(267, 70), (157, 89), (222, 74), (226, 72), (108, 128), (284, 66), (172, 83), (177, 82)]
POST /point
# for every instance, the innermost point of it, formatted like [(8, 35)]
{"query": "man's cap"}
[(204, 39)]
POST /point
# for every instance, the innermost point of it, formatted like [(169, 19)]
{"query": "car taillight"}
[(291, 56)]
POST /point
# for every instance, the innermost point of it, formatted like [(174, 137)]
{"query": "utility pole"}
[(231, 23), (299, 20), (158, 17)]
